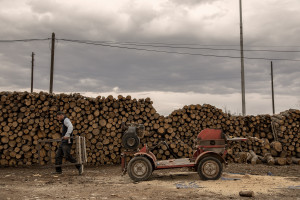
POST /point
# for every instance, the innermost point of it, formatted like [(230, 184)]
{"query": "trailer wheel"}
[(139, 168), (130, 141), (210, 168)]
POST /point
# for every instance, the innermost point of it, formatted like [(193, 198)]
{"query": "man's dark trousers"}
[(64, 150)]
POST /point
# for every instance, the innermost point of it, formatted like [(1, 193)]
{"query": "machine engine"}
[(132, 135)]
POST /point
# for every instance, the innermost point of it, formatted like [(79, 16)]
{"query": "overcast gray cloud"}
[(268, 24)]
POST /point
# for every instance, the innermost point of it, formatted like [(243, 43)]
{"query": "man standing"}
[(66, 143)]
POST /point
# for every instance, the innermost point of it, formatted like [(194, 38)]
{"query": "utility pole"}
[(273, 104), (32, 68), (52, 63), (242, 61)]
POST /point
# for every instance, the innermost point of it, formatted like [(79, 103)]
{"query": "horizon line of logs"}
[(27, 117)]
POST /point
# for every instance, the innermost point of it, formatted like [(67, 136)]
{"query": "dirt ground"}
[(107, 182)]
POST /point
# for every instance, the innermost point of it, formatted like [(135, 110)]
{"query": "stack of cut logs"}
[(27, 117)]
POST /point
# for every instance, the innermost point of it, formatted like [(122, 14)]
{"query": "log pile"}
[(286, 129), (27, 117)]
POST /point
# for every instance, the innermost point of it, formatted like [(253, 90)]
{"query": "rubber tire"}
[(204, 161), (128, 136), (133, 164)]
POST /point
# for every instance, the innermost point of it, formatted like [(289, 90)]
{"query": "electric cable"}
[(176, 52), (25, 40), (134, 45), (182, 46)]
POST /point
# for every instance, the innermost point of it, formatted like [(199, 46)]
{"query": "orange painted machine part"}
[(146, 152), (210, 134)]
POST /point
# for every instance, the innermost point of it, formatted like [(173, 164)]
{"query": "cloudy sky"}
[(176, 52)]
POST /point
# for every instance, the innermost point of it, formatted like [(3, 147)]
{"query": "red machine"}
[(207, 160)]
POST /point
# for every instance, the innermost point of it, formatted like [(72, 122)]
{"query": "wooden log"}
[(270, 160), (243, 157), (4, 139), (289, 160), (262, 159), (274, 153), (246, 193), (102, 122), (296, 160), (277, 146), (161, 130), (254, 157), (280, 161)]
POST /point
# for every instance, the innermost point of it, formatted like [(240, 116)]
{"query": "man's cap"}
[(60, 113)]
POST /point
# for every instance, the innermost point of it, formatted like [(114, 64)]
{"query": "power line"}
[(174, 52), (182, 46), (25, 40), (206, 48), (128, 45), (174, 45), (171, 45)]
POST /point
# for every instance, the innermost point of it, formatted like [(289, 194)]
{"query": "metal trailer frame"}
[(80, 151), (210, 143)]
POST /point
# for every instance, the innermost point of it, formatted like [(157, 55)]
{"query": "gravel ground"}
[(107, 182)]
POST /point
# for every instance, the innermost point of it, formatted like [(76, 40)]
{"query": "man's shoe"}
[(56, 173), (80, 169)]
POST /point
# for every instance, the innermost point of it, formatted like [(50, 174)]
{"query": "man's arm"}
[(68, 124)]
